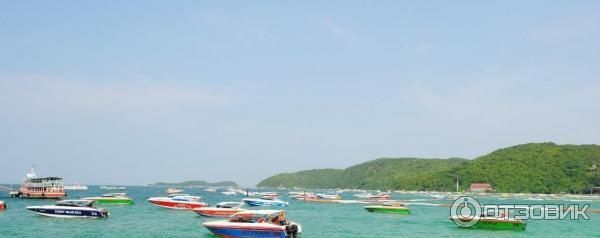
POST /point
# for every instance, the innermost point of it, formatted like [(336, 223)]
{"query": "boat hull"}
[(50, 195), (229, 229), (68, 213), (246, 232), (500, 225), (122, 201), (383, 209), (504, 224)]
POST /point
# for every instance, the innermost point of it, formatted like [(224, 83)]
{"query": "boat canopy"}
[(40, 180), (229, 205), (178, 195), (258, 216), (75, 203), (186, 198)]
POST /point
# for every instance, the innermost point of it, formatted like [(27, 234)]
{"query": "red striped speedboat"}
[(224, 209), (2, 205), (380, 196), (178, 202), (255, 223)]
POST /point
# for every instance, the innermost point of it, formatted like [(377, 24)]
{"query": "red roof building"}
[(481, 187)]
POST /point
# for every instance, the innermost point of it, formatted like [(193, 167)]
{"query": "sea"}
[(143, 219)]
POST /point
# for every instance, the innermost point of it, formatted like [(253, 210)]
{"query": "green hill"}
[(197, 183), (535, 167), (380, 173)]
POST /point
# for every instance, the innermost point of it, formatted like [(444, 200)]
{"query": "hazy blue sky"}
[(133, 92)]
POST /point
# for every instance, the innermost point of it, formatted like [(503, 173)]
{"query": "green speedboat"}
[(112, 198), (389, 208), (492, 222)]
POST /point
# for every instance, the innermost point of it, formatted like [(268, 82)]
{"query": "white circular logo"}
[(465, 211)]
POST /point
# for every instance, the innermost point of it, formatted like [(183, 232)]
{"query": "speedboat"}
[(229, 192), (363, 195), (112, 198), (328, 196), (223, 209), (2, 205), (71, 209), (112, 188), (264, 202), (75, 186), (380, 196), (210, 190), (178, 202), (255, 223), (173, 190), (487, 221), (397, 208), (269, 195)]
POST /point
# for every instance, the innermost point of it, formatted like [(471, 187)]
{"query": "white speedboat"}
[(223, 209), (75, 186), (264, 202)]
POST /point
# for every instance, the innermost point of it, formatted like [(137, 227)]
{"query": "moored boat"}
[(75, 186), (380, 196), (2, 205), (112, 188), (178, 202), (328, 196), (264, 202), (268, 195), (255, 223), (223, 209), (71, 209), (396, 208), (485, 221), (34, 187), (112, 198), (229, 192), (173, 190)]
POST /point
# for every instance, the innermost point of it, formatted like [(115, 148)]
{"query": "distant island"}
[(528, 168), (197, 183)]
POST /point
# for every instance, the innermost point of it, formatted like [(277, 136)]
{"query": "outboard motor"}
[(292, 230), (104, 212)]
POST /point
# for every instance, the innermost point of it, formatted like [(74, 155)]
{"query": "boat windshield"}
[(178, 195), (114, 195), (393, 204), (75, 203), (186, 198), (229, 205)]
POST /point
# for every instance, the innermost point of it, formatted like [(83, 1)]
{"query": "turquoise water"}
[(318, 220)]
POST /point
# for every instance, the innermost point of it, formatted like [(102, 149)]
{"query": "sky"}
[(136, 92)]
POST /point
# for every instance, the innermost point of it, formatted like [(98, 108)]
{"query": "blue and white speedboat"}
[(255, 223), (264, 202), (71, 209)]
